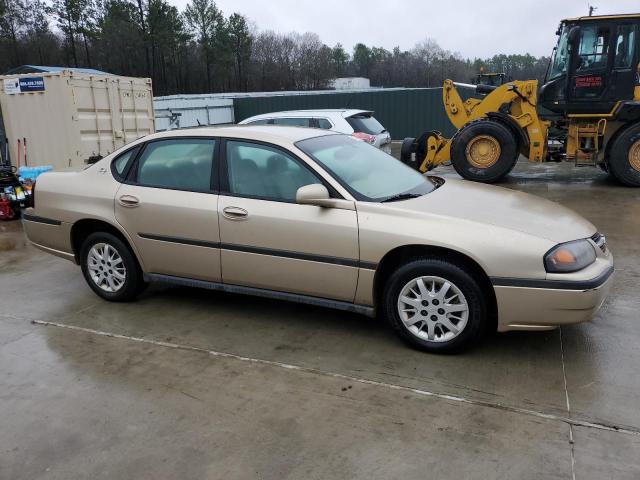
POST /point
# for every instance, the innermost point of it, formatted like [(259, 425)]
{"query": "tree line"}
[(201, 50)]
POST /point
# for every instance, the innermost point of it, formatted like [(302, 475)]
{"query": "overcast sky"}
[(474, 28)]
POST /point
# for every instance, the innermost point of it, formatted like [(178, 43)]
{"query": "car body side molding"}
[(259, 292), (36, 219), (348, 262), (181, 240)]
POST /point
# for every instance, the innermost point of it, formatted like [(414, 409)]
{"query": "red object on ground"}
[(6, 212)]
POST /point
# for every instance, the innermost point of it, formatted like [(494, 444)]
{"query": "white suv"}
[(359, 123)]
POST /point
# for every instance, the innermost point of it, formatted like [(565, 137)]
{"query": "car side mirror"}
[(318, 195), (314, 194)]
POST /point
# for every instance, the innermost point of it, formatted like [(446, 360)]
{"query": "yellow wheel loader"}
[(590, 98), (494, 79)]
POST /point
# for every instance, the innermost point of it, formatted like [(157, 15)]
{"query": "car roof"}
[(346, 112), (266, 133)]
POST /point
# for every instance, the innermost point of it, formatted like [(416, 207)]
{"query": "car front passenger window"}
[(264, 172)]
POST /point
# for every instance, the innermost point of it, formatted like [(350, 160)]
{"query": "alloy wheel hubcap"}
[(634, 156), (433, 309), (106, 267), (483, 151)]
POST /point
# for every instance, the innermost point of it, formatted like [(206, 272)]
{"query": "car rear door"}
[(169, 206), (268, 240)]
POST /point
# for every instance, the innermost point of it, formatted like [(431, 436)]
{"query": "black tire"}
[(619, 161), (476, 322), (133, 284), (406, 151), (506, 160)]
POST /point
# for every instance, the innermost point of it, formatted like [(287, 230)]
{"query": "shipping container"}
[(68, 118)]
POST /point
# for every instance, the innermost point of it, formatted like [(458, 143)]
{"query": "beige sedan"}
[(321, 218)]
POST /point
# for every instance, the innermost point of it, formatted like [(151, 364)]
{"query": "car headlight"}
[(569, 257)]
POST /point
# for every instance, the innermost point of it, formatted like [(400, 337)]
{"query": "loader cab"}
[(594, 65), (490, 79)]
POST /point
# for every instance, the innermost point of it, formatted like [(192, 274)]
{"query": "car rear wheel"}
[(484, 151), (435, 305), (110, 268)]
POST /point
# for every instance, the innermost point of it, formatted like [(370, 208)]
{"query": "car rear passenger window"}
[(293, 122), (121, 162), (264, 172), (184, 164), (263, 121), (324, 123)]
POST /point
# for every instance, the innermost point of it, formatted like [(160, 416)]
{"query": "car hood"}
[(504, 208)]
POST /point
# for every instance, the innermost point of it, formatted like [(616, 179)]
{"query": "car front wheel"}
[(109, 268), (435, 305)]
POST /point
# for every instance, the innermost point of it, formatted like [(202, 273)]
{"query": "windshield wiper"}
[(401, 196)]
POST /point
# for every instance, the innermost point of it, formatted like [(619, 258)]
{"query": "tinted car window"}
[(121, 162), (365, 123), (181, 164), (324, 123), (264, 121), (293, 122), (264, 172)]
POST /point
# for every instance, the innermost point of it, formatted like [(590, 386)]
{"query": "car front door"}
[(269, 241), (169, 206)]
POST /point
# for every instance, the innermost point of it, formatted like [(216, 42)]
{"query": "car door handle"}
[(128, 201), (235, 213)]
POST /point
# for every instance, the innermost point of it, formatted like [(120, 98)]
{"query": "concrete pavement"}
[(141, 390)]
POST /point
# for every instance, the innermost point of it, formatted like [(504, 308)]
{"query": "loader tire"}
[(407, 150), (484, 151), (624, 158)]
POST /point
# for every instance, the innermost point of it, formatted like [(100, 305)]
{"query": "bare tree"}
[(205, 20), (12, 22)]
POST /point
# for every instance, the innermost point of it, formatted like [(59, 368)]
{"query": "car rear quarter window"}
[(324, 123), (365, 123), (179, 164), (120, 164)]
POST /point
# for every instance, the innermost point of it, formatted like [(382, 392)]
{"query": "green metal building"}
[(405, 112)]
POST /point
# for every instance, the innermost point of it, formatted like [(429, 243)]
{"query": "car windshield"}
[(367, 172), (365, 123)]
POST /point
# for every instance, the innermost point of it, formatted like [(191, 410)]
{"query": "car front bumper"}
[(546, 304)]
